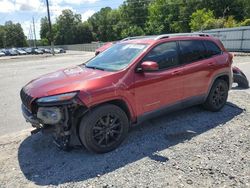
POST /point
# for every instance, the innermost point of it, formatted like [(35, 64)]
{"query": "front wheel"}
[(217, 97), (104, 128)]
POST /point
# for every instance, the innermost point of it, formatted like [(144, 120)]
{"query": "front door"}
[(163, 87)]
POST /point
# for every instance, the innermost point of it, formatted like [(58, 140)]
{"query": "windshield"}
[(117, 57)]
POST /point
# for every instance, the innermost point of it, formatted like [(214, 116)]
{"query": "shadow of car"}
[(44, 164)]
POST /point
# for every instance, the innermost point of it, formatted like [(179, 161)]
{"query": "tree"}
[(2, 36), (246, 22), (201, 20), (83, 33), (101, 24), (44, 31), (170, 16), (135, 12), (132, 31), (230, 22), (225, 8), (65, 27), (14, 35)]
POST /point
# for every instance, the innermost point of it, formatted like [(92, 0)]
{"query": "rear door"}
[(197, 68)]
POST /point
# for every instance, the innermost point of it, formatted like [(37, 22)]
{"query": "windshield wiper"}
[(96, 68)]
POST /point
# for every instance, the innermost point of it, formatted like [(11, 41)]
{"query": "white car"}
[(21, 52), (2, 54)]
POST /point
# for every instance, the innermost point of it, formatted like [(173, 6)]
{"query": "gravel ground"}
[(191, 148)]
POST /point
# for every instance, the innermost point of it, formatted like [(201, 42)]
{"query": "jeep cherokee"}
[(95, 103)]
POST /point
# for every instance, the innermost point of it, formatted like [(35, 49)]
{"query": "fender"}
[(216, 77)]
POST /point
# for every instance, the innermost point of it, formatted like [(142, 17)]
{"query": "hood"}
[(66, 80)]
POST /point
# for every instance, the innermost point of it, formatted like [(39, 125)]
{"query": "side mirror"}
[(148, 66)]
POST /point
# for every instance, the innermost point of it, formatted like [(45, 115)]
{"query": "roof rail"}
[(138, 37), (181, 34)]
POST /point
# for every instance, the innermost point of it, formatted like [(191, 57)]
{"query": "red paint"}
[(142, 92), (149, 66)]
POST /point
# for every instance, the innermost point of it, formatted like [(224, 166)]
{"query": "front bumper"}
[(31, 118)]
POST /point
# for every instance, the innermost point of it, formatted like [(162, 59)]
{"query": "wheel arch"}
[(223, 76), (122, 104)]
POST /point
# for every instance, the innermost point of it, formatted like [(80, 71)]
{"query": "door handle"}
[(178, 72)]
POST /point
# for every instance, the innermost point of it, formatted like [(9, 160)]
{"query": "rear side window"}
[(211, 48), (192, 50), (165, 54)]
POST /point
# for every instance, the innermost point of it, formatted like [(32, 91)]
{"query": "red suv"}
[(94, 104)]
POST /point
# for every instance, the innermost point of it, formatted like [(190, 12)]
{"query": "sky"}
[(22, 11)]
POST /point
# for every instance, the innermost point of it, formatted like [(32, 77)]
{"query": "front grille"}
[(26, 99)]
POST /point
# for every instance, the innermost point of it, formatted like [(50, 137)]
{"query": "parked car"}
[(28, 50), (47, 50), (59, 50), (96, 103), (37, 51), (21, 52), (2, 54), (10, 52)]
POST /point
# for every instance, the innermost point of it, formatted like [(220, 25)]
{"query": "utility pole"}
[(50, 29), (30, 36), (34, 32)]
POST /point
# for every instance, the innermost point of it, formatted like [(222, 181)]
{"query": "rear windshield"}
[(117, 57)]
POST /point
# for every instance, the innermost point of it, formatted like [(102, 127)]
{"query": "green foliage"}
[(44, 30), (142, 17), (101, 24), (201, 20), (204, 19), (2, 36), (68, 29), (230, 22), (11, 35), (132, 31), (42, 42), (246, 22)]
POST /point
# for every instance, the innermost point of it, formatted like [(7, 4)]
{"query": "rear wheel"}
[(217, 97), (104, 128)]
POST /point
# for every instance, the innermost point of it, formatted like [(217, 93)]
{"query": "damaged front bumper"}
[(55, 120), (31, 118)]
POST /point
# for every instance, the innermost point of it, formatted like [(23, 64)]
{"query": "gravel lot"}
[(191, 148)]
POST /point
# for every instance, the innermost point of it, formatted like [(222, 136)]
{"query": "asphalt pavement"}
[(17, 71)]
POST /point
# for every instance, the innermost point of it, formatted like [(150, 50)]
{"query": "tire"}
[(217, 97), (241, 80), (104, 128)]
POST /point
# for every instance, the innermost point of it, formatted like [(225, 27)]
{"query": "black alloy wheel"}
[(104, 128), (107, 130), (217, 97)]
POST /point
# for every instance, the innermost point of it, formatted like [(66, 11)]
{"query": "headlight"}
[(57, 98), (49, 115)]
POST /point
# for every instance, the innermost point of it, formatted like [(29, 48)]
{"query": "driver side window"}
[(165, 54)]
